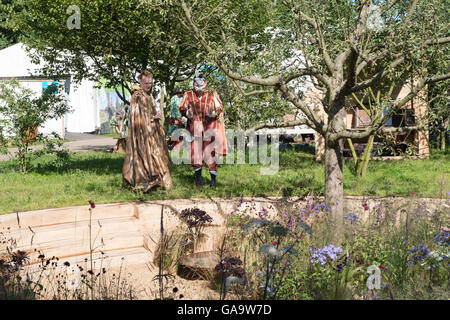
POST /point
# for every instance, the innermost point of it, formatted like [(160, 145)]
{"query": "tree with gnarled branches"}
[(347, 47)]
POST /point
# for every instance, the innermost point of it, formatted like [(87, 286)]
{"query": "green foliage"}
[(21, 114), (9, 34), (119, 38), (332, 50)]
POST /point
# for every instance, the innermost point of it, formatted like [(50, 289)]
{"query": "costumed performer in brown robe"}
[(147, 162)]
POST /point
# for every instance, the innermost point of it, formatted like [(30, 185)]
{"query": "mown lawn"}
[(97, 176)]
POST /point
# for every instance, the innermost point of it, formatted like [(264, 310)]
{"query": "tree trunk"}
[(366, 157), (161, 103), (442, 137), (334, 189), (170, 86), (352, 148)]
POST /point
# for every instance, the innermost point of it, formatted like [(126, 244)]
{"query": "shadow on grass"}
[(102, 163), (296, 168)]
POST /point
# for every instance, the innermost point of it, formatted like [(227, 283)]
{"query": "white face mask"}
[(199, 84), (199, 81), (199, 89)]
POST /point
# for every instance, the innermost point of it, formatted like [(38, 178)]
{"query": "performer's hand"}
[(212, 113), (189, 113), (157, 116)]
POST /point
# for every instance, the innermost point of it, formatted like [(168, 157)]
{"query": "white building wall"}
[(84, 115)]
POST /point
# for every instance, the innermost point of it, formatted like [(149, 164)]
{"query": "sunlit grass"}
[(98, 176)]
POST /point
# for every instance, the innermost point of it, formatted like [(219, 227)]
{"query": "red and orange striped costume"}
[(201, 108)]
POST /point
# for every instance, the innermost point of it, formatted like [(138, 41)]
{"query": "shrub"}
[(21, 114)]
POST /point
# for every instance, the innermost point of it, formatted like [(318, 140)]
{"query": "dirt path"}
[(77, 142)]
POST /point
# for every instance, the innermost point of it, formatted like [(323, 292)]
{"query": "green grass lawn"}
[(97, 176), (109, 135), (35, 143)]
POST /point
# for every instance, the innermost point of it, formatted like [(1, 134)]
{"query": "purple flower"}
[(322, 255), (418, 254), (443, 238), (321, 207), (344, 260), (290, 225), (352, 217), (92, 204), (195, 217)]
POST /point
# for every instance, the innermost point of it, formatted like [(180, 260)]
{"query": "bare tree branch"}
[(353, 134), (357, 33), (313, 22), (377, 124), (256, 92), (378, 76), (420, 85), (310, 71), (314, 122), (383, 72), (278, 125), (269, 81)]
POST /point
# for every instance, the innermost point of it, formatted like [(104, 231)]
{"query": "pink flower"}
[(92, 204), (365, 206), (275, 243), (412, 193)]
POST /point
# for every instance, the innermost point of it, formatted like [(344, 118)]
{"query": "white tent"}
[(82, 99), (85, 116)]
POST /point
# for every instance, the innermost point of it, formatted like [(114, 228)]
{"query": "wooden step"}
[(48, 217), (81, 246), (43, 235)]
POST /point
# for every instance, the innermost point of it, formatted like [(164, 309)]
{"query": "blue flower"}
[(418, 254), (322, 255), (443, 238), (343, 261), (352, 217), (321, 207)]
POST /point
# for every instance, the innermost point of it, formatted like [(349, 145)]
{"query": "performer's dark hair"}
[(145, 73), (178, 90)]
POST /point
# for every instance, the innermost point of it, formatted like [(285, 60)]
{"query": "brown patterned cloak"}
[(147, 161)]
